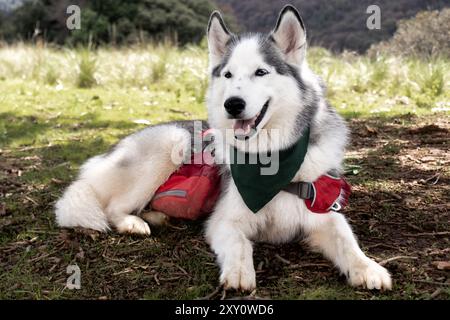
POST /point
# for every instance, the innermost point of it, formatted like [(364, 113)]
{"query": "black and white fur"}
[(113, 186)]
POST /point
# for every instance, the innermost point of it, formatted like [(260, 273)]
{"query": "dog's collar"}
[(258, 189)]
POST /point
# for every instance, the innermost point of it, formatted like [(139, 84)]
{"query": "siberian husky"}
[(258, 83)]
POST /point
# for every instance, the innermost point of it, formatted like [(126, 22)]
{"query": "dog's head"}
[(258, 80)]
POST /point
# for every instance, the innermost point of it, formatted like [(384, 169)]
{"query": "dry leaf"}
[(57, 181), (442, 265), (428, 159), (371, 130), (142, 121)]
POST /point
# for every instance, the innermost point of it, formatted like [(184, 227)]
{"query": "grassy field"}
[(59, 107)]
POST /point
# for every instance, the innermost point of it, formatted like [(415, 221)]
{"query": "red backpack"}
[(190, 192)]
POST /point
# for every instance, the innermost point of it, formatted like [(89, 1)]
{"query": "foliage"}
[(111, 21), (426, 35), (334, 24), (86, 69)]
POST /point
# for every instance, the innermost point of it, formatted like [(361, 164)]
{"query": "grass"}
[(58, 107)]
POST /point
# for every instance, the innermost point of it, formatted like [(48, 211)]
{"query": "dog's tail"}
[(79, 207)]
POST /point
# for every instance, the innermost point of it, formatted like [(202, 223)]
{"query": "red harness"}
[(326, 194)]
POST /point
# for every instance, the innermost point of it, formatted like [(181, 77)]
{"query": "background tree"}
[(333, 24), (112, 21), (426, 35)]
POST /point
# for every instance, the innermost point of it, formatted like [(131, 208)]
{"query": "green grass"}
[(62, 89), (59, 107)]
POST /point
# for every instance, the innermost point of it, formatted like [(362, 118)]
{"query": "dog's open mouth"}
[(244, 129)]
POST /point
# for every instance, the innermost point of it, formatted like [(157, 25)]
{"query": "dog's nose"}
[(234, 106)]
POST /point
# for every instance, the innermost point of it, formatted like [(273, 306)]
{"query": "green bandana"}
[(261, 179)]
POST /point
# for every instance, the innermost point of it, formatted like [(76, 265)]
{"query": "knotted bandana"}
[(253, 176)]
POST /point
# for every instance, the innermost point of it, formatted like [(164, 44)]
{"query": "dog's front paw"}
[(371, 276), (239, 277), (133, 224)]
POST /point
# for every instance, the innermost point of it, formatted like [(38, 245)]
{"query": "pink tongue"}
[(242, 127)]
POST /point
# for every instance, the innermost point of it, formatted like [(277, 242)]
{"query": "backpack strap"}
[(304, 190)]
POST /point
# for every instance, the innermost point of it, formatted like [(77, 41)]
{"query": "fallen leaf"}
[(442, 265), (185, 113), (428, 159), (57, 181), (371, 130), (142, 121)]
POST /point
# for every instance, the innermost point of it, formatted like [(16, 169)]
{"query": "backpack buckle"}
[(305, 190)]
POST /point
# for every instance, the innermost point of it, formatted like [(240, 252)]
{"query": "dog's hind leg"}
[(332, 235), (144, 162), (114, 185)]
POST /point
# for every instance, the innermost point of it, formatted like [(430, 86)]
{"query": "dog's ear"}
[(290, 35), (218, 36)]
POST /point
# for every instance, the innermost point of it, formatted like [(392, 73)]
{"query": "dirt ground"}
[(399, 209)]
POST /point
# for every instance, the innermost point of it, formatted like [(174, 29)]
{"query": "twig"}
[(212, 294), (251, 296), (439, 252), (169, 279), (31, 200), (127, 270), (282, 259), (433, 282), (382, 263), (224, 295), (112, 259), (414, 226), (437, 292), (178, 111), (42, 257), (424, 234), (43, 232), (381, 245), (204, 251), (156, 279), (306, 265), (181, 269), (394, 195), (133, 250), (436, 177), (29, 148), (175, 227)]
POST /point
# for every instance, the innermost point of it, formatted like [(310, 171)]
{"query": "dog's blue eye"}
[(261, 72), (228, 75)]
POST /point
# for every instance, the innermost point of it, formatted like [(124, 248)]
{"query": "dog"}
[(259, 84)]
